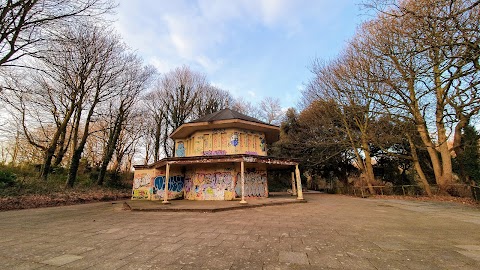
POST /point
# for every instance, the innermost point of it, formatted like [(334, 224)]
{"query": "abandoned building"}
[(221, 156)]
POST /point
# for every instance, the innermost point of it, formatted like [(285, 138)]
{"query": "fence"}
[(476, 193), (457, 190)]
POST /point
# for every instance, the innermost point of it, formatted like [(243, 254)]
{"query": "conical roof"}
[(227, 118), (226, 114)]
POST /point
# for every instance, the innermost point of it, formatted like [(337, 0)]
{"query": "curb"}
[(209, 210)]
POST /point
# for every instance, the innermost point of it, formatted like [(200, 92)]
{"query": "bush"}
[(7, 179)]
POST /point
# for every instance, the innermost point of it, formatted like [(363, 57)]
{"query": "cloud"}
[(241, 44), (191, 31)]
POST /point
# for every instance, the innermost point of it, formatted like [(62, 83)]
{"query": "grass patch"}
[(21, 187)]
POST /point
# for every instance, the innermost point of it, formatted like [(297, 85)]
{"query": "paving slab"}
[(328, 232), (279, 198), (62, 260)]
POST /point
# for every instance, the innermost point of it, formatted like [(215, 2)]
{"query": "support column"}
[(167, 177), (242, 176), (299, 184), (294, 188)]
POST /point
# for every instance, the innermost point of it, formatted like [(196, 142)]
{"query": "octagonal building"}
[(221, 156)]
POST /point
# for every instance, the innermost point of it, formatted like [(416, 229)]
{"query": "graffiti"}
[(251, 153), (262, 144), (141, 182), (175, 187), (209, 186), (180, 150), (141, 187), (234, 139), (140, 194), (214, 153), (255, 184)]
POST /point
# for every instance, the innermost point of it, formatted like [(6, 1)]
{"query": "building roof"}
[(226, 114), (272, 162), (227, 118)]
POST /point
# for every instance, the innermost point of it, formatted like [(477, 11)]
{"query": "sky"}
[(252, 48)]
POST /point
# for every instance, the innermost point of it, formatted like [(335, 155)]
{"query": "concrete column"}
[(294, 188), (242, 175), (167, 177), (299, 184)]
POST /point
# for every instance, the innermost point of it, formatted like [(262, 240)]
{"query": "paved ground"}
[(328, 232), (275, 198)]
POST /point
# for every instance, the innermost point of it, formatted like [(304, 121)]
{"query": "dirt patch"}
[(435, 198), (61, 198)]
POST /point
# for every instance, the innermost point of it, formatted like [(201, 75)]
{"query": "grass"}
[(28, 190)]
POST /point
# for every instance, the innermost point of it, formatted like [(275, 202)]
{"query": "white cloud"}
[(233, 42), (191, 31)]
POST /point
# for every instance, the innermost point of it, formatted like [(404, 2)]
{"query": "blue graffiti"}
[(180, 150), (234, 139), (175, 183)]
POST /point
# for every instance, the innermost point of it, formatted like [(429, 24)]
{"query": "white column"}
[(294, 188), (242, 175), (167, 177), (299, 184)]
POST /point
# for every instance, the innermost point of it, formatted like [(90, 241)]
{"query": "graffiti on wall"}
[(209, 186), (251, 153), (141, 187), (175, 187), (234, 139), (262, 144), (180, 150), (255, 184), (214, 153)]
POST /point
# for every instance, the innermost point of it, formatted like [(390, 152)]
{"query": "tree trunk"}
[(156, 155), (74, 164), (111, 144), (79, 146), (50, 151), (418, 167), (370, 176), (62, 150)]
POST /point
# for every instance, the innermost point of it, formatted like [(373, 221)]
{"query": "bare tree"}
[(104, 53), (25, 25), (246, 107), (174, 101), (271, 110), (212, 99), (430, 64), (133, 81)]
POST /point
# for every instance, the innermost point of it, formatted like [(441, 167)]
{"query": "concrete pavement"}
[(275, 198), (328, 232)]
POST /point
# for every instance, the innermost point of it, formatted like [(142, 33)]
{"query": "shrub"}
[(7, 179)]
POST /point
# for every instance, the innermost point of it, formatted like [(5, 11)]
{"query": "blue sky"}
[(251, 48)]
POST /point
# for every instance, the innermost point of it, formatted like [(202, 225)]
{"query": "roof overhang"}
[(272, 133), (271, 162)]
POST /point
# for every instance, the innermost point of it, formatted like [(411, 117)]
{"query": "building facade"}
[(221, 156)]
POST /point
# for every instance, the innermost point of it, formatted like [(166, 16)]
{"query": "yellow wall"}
[(148, 184), (142, 184), (222, 142)]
